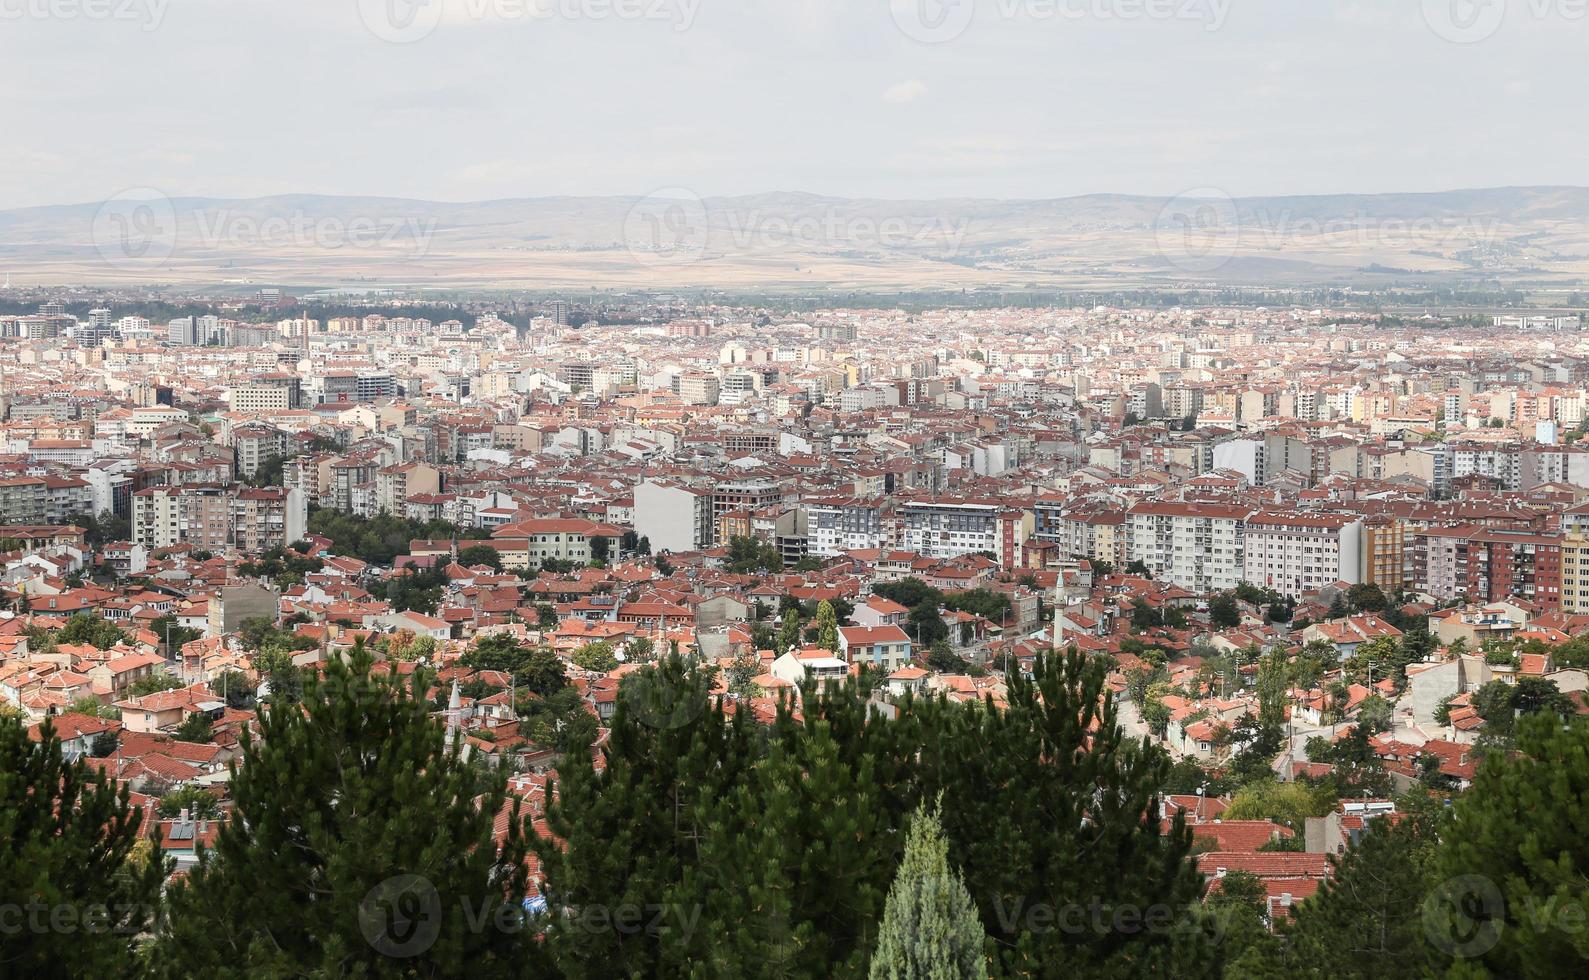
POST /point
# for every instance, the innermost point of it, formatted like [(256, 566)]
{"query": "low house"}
[(884, 647)]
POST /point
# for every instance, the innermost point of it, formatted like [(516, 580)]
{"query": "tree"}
[(104, 745), (67, 854), (1367, 919), (600, 549), (789, 632), (1223, 613), (1367, 597), (1375, 715), (319, 873), (1290, 804), (86, 628), (200, 804), (763, 825), (153, 684), (748, 555), (941, 658), (596, 656), (194, 728), (1514, 862), (481, 554), (930, 926), (534, 669), (173, 635), (827, 626)]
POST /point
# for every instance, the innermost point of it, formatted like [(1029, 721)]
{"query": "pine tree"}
[(827, 626), (625, 836), (1514, 865), (77, 894), (360, 843), (1367, 919), (930, 928)]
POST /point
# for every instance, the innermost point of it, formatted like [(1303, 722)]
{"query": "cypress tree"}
[(76, 896), (930, 926), (827, 626), (360, 843)]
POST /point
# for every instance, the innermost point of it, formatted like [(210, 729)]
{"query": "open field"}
[(1534, 236)]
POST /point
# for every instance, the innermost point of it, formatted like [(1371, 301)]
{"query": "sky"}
[(463, 100)]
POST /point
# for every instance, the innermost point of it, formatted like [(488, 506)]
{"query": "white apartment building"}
[(1294, 553), (839, 524), (1197, 546), (674, 518), (949, 529)]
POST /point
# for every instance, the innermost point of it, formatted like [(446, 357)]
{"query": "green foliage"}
[(535, 670), (751, 556), (988, 603), (1289, 804), (1223, 613), (102, 530), (377, 540), (90, 629), (1375, 714), (1500, 704), (194, 728), (765, 828), (480, 554), (1366, 597), (269, 471), (200, 803), (67, 839), (827, 627), (281, 566), (416, 589), (909, 592), (1517, 847), (596, 656), (1372, 909), (930, 928), (319, 873), (153, 684), (560, 720), (179, 636), (103, 746)]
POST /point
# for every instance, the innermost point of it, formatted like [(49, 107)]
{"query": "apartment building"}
[(1295, 553), (673, 517), (1198, 546), (839, 524), (748, 496), (949, 529)]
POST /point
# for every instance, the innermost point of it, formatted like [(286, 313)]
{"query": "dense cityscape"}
[(1316, 566), (794, 489)]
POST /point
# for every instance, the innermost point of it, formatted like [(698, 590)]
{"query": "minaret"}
[(1059, 607), (454, 715)]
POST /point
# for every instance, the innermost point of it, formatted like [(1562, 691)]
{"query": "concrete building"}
[(674, 518)]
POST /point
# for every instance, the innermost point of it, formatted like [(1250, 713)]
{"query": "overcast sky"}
[(479, 99)]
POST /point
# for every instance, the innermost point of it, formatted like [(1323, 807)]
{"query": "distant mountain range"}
[(1535, 236)]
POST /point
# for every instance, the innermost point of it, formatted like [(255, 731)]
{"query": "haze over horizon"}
[(475, 100)]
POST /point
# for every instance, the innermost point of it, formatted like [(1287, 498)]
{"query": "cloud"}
[(907, 91)]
